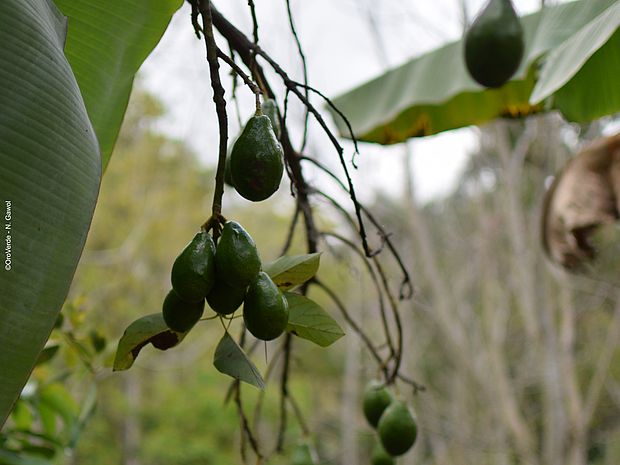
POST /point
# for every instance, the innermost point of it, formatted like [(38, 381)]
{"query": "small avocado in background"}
[(376, 399), (179, 314), (494, 44), (397, 428), (193, 271), (380, 457), (265, 310), (225, 299), (236, 258), (270, 109), (256, 160)]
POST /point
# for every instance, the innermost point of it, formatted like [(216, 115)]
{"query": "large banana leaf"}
[(50, 170), (434, 92), (106, 44), (50, 161)]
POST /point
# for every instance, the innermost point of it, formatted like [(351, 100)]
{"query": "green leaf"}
[(22, 416), (49, 172), (566, 60), (47, 354), (290, 272), (308, 320), (434, 93), (231, 360), (57, 398), (106, 44), (150, 329), (11, 458)]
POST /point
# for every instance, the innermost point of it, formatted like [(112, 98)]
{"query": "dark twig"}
[(304, 66), (245, 423), (406, 287), (238, 71), (291, 231), (288, 341), (351, 322), (376, 282), (220, 105)]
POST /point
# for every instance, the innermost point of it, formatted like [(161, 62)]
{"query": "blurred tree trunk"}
[(131, 421)]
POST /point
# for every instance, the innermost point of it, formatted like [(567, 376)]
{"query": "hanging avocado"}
[(256, 162), (265, 310), (179, 314), (236, 258), (193, 272), (494, 44), (397, 429)]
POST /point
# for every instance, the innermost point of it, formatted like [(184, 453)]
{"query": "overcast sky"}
[(346, 42)]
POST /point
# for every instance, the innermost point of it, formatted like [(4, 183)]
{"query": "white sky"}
[(342, 52)]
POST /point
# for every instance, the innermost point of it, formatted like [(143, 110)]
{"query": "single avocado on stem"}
[(270, 109), (236, 258), (265, 310), (256, 160), (179, 314), (225, 299), (494, 44), (193, 271), (379, 456), (397, 428), (376, 399)]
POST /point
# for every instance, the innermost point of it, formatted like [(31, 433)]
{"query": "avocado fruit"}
[(376, 399), (397, 429), (193, 271), (270, 109), (225, 299), (256, 160), (265, 310), (494, 44), (379, 456), (236, 258), (179, 314)]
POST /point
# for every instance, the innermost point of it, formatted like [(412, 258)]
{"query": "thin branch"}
[(351, 322), (204, 7), (304, 66)]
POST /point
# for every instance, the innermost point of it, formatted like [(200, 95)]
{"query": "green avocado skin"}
[(265, 310), (494, 44), (179, 314), (236, 258), (256, 160), (397, 429), (225, 299), (380, 457), (193, 271), (376, 399)]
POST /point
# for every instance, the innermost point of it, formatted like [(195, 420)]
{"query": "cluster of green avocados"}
[(392, 419), (229, 274), (494, 44)]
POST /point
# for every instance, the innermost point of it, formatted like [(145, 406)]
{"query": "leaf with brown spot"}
[(584, 195), (150, 329), (289, 272)]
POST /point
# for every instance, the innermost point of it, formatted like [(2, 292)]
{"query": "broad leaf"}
[(290, 272), (308, 320), (106, 44), (434, 92), (49, 178), (150, 329), (231, 360)]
